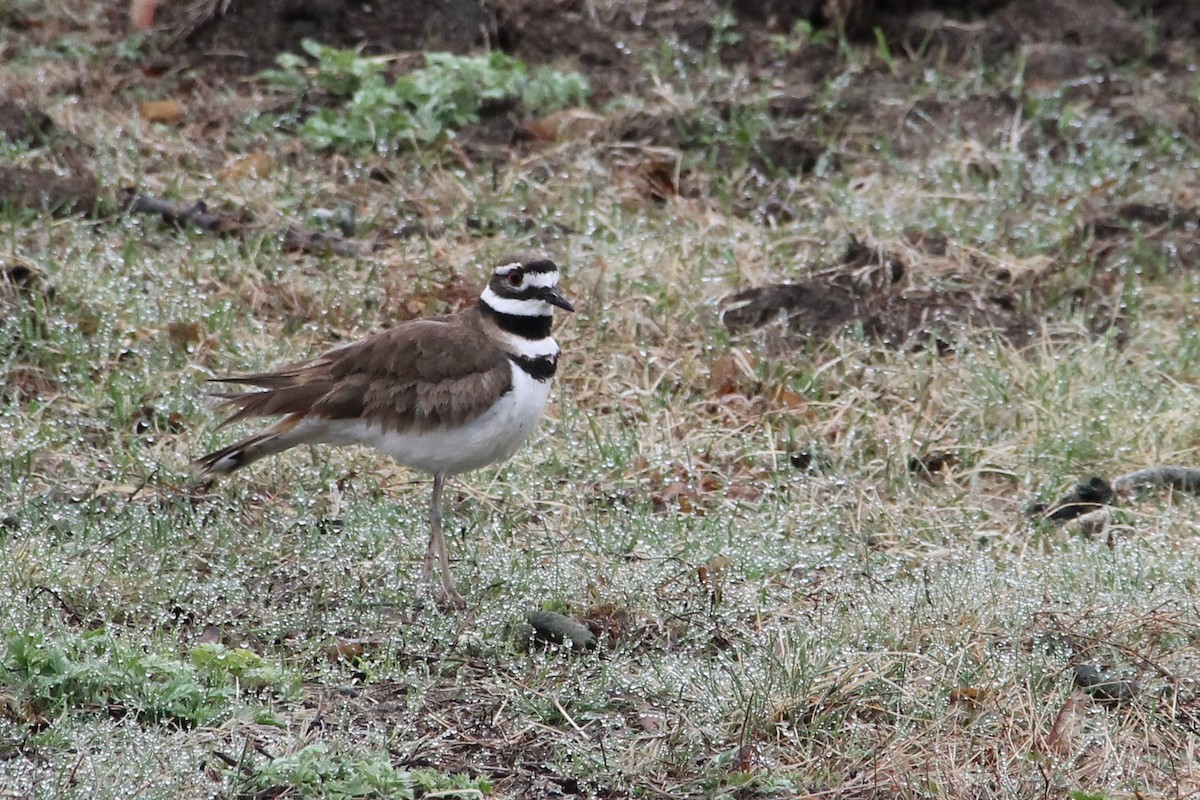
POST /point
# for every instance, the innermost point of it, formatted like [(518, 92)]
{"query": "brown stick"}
[(198, 215)]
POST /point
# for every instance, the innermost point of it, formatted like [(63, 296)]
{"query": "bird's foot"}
[(444, 593), (448, 598)]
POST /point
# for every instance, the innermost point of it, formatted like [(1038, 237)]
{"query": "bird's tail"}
[(273, 440)]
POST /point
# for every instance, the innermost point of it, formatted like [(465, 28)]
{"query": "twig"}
[(197, 215)]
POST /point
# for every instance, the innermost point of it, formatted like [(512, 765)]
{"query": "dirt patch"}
[(1172, 231), (246, 37), (468, 725), (58, 178), (875, 290), (1075, 44), (25, 124), (611, 41), (1176, 19)]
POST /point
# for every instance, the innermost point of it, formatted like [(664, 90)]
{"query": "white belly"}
[(491, 437)]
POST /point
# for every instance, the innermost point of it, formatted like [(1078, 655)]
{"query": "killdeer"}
[(442, 395)]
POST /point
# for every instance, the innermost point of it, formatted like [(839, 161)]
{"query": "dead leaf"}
[(184, 334), (164, 111), (788, 398), (123, 490), (654, 179), (650, 723), (141, 14), (459, 292), (88, 322), (744, 491), (718, 564), (1067, 730), (156, 66), (27, 382), (610, 623), (678, 495), (24, 713), (568, 124), (348, 649), (255, 164), (968, 695), (723, 375), (745, 758)]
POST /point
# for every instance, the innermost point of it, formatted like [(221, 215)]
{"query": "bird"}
[(441, 395)]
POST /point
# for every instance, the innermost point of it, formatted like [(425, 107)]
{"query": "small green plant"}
[(432, 782), (319, 771), (315, 771), (802, 35), (724, 28), (883, 51), (95, 670), (98, 671), (421, 107), (221, 664)]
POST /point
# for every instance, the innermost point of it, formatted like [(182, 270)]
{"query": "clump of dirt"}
[(875, 290), (241, 38), (62, 181), (21, 123), (1174, 230)]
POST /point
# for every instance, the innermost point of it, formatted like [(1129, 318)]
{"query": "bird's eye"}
[(514, 279)]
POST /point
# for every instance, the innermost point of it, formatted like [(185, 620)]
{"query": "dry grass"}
[(853, 630)]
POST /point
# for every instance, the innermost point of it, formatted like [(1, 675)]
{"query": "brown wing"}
[(420, 374)]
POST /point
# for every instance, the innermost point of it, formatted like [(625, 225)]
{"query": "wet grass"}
[(766, 630)]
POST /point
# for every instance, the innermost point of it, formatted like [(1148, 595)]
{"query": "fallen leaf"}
[(723, 376), (164, 111), (678, 495), (184, 334), (788, 398), (349, 649), (570, 123), (1067, 729), (654, 179), (255, 164), (156, 66), (718, 564), (88, 322), (710, 576), (968, 695), (124, 490), (744, 491), (141, 14), (25, 382), (609, 622)]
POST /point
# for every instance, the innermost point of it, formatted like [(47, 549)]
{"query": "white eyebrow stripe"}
[(504, 269), (543, 280)]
